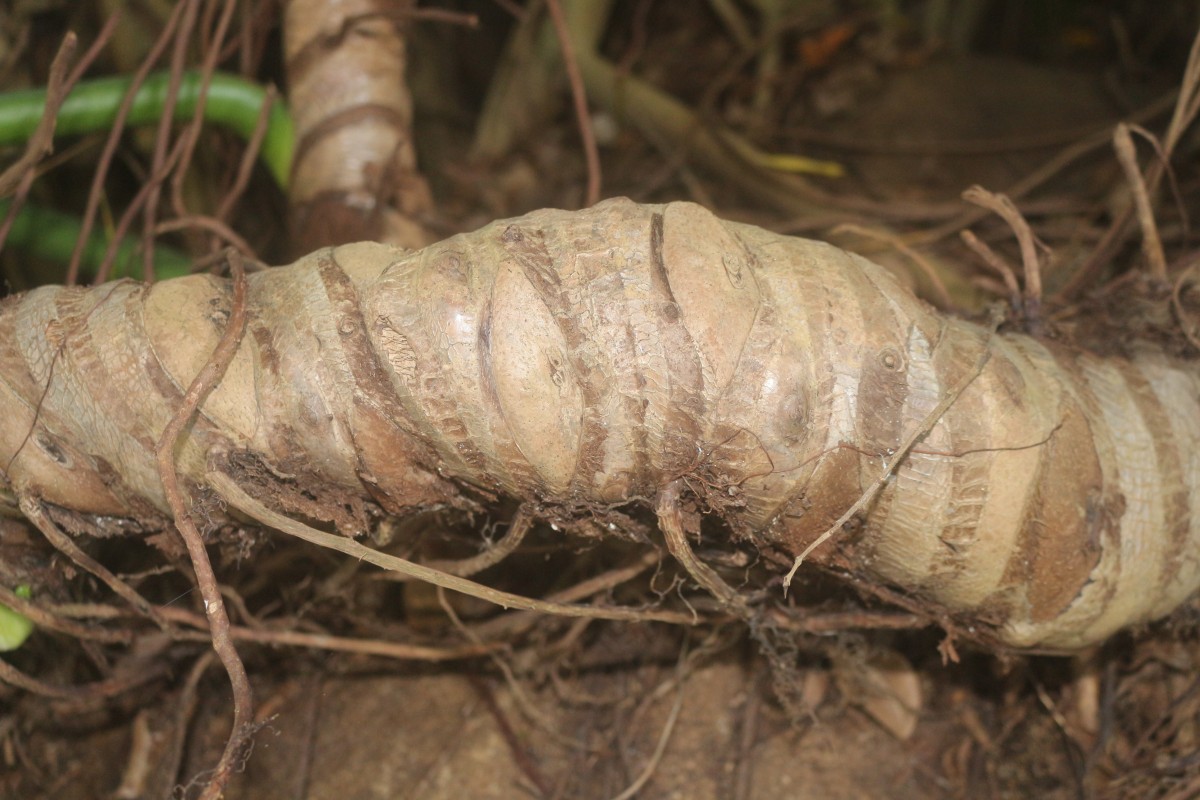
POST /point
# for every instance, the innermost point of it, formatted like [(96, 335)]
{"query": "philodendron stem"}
[(50, 235), (92, 106)]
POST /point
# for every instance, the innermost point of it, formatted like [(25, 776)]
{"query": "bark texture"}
[(583, 360)]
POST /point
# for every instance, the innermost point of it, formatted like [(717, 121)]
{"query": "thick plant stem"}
[(355, 173), (580, 362)]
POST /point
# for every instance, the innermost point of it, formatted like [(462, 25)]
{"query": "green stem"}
[(92, 106), (50, 235)]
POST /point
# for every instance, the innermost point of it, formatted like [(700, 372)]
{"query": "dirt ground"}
[(914, 113)]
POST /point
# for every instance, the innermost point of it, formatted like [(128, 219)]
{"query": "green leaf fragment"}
[(14, 628)]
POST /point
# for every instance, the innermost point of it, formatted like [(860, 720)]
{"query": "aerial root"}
[(35, 512), (1002, 206), (237, 498), (521, 524), (1152, 247), (206, 580), (88, 692), (670, 520)]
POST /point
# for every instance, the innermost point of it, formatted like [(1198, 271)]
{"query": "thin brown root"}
[(1006, 210), (834, 621), (735, 23), (896, 459), (85, 693), (524, 702), (443, 15), (236, 497), (96, 192), (51, 621), (206, 579), (342, 644), (521, 755), (17, 178), (992, 287), (41, 141), (520, 525), (518, 622), (183, 718), (33, 509), (743, 777), (1168, 171), (997, 263), (138, 761), (1039, 177), (489, 632), (191, 133), (671, 522), (163, 134), (249, 158), (1151, 242), (125, 223), (1188, 104), (213, 225)]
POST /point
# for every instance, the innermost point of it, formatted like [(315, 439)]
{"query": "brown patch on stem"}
[(1177, 517), (1058, 547), (528, 249), (377, 420)]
